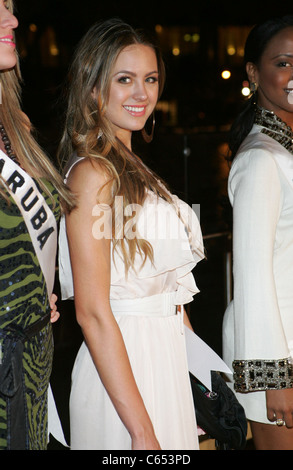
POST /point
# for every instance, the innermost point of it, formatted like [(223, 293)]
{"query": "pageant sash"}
[(38, 217)]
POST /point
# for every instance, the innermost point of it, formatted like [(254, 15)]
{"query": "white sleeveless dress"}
[(145, 307)]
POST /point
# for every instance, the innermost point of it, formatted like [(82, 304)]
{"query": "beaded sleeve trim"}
[(274, 127), (261, 374)]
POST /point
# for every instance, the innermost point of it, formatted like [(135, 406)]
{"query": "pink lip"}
[(9, 43)]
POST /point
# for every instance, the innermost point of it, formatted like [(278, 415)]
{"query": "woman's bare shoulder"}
[(87, 173)]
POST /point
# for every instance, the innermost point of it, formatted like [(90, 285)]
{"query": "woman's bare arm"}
[(90, 258)]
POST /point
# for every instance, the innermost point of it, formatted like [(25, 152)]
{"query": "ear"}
[(252, 74)]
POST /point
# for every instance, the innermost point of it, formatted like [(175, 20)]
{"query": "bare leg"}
[(271, 437)]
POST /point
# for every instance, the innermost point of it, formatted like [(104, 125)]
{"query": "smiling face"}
[(133, 90), (274, 76), (8, 23)]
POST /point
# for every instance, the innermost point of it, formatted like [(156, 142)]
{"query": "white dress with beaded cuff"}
[(258, 323)]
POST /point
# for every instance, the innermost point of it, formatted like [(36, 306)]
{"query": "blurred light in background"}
[(226, 74), (245, 88)]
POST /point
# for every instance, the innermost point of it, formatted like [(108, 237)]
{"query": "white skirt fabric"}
[(155, 342)]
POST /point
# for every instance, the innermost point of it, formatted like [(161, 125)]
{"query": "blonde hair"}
[(94, 59), (19, 132)]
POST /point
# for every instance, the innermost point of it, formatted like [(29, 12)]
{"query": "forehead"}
[(281, 43), (136, 56)]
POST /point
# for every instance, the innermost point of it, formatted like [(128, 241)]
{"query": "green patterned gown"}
[(24, 301)]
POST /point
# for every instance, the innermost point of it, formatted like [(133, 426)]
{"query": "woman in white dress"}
[(258, 325), (132, 249)]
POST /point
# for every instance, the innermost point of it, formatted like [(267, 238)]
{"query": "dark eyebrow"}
[(127, 72), (283, 55)]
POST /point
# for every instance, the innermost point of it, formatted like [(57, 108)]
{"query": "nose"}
[(8, 20), (140, 93)]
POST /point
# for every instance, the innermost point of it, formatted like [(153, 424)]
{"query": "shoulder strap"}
[(73, 160)]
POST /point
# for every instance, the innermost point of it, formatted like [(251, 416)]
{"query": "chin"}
[(7, 65), (138, 127), (7, 61)]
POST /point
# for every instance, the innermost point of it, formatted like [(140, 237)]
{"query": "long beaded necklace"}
[(274, 127), (7, 144)]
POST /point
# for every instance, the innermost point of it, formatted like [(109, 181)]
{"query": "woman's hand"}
[(280, 406), (54, 314)]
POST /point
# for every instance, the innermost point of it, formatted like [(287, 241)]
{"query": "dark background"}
[(205, 108), (192, 79)]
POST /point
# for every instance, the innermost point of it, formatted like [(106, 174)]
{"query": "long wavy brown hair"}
[(20, 134), (85, 119)]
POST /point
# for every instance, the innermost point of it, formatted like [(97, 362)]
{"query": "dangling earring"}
[(100, 134), (149, 137), (253, 96)]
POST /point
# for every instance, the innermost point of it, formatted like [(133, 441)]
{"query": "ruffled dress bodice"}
[(175, 253)]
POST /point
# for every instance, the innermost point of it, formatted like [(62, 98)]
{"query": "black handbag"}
[(219, 413)]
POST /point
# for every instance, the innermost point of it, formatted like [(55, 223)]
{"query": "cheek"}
[(275, 80), (118, 95), (281, 80), (153, 97), (155, 93), (113, 105)]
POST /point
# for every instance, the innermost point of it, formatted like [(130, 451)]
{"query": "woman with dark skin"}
[(258, 325)]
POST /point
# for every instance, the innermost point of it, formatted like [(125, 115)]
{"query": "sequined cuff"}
[(260, 374)]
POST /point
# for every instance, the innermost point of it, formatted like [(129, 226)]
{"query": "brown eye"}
[(124, 79), (283, 64), (152, 80)]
